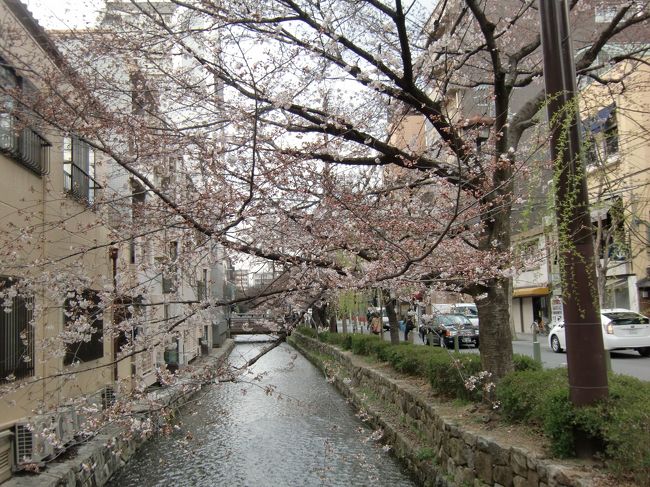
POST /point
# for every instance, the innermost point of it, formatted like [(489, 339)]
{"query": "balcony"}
[(79, 183), (26, 147)]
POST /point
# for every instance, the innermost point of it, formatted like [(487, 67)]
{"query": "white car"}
[(622, 329)]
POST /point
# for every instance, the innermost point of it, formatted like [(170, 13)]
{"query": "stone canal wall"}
[(94, 462), (426, 434)]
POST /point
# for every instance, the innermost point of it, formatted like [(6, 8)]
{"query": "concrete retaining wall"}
[(96, 461), (434, 448)]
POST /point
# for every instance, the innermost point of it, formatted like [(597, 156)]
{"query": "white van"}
[(467, 309), (441, 309)]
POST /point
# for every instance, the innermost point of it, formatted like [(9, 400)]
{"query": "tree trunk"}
[(494, 331), (345, 324), (333, 327), (319, 314), (389, 303)]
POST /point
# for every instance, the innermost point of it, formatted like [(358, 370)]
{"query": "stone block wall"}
[(442, 453)]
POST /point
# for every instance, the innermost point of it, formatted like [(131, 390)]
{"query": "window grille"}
[(16, 333)]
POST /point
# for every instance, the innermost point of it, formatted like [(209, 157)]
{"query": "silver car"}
[(622, 329)]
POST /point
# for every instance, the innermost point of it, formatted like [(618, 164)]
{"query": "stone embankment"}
[(437, 445), (95, 461)]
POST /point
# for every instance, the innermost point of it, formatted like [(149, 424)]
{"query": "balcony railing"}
[(27, 147), (79, 183)]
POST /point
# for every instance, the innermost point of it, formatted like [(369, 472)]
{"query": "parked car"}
[(622, 329), (445, 327)]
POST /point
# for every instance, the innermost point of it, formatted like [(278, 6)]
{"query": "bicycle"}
[(539, 328)]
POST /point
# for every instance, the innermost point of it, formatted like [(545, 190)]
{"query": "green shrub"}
[(449, 371), (307, 331), (521, 394), (532, 396), (339, 339), (620, 425), (525, 362), (625, 428), (363, 344), (408, 359)]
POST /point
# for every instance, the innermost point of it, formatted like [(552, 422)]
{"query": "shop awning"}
[(530, 291)]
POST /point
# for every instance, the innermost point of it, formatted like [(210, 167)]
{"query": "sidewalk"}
[(518, 337)]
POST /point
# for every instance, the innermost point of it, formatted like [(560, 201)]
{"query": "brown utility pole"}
[(584, 339)]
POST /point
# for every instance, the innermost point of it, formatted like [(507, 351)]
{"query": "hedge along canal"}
[(282, 425), (427, 436)]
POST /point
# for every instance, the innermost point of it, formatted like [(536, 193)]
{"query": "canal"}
[(284, 425)]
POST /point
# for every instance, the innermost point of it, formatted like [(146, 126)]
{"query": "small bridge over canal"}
[(255, 324)]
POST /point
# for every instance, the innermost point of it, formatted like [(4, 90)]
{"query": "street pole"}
[(537, 352), (585, 350)]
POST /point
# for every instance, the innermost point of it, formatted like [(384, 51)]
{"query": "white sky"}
[(65, 14)]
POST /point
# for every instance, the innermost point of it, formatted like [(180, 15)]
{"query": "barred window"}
[(83, 317), (16, 332)]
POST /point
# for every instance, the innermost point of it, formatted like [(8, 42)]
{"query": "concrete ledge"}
[(98, 459), (433, 446)]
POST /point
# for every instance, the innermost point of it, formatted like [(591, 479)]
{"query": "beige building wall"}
[(49, 239), (625, 174)]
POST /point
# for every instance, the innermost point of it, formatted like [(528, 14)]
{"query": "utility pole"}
[(585, 349)]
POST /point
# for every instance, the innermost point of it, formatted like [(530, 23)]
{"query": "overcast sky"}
[(65, 14)]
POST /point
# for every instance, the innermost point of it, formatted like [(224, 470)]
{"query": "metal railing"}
[(27, 147), (79, 183)]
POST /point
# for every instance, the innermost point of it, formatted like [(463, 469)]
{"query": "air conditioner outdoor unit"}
[(6, 441), (35, 440)]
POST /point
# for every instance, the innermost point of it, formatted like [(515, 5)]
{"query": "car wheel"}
[(555, 344), (644, 351)]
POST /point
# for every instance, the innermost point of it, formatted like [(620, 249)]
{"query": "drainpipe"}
[(112, 254)]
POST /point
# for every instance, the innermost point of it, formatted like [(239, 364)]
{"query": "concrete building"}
[(53, 266), (83, 247)]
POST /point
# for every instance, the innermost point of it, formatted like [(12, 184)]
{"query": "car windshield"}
[(626, 318), (458, 320)]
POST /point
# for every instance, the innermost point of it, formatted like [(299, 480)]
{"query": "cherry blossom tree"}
[(356, 144)]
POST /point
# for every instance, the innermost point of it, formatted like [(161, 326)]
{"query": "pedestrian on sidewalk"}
[(408, 326), (375, 326)]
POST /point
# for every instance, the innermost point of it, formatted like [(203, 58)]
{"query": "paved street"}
[(623, 362)]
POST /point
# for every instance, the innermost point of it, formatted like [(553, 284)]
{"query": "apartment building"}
[(54, 262), (99, 291)]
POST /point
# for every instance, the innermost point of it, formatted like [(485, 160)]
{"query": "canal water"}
[(283, 425)]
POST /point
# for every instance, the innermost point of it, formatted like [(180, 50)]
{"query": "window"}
[(79, 169), (609, 223), (601, 136), (605, 13), (127, 309), (83, 316), (17, 140), (610, 134), (170, 274), (138, 198), (202, 286), (16, 332)]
